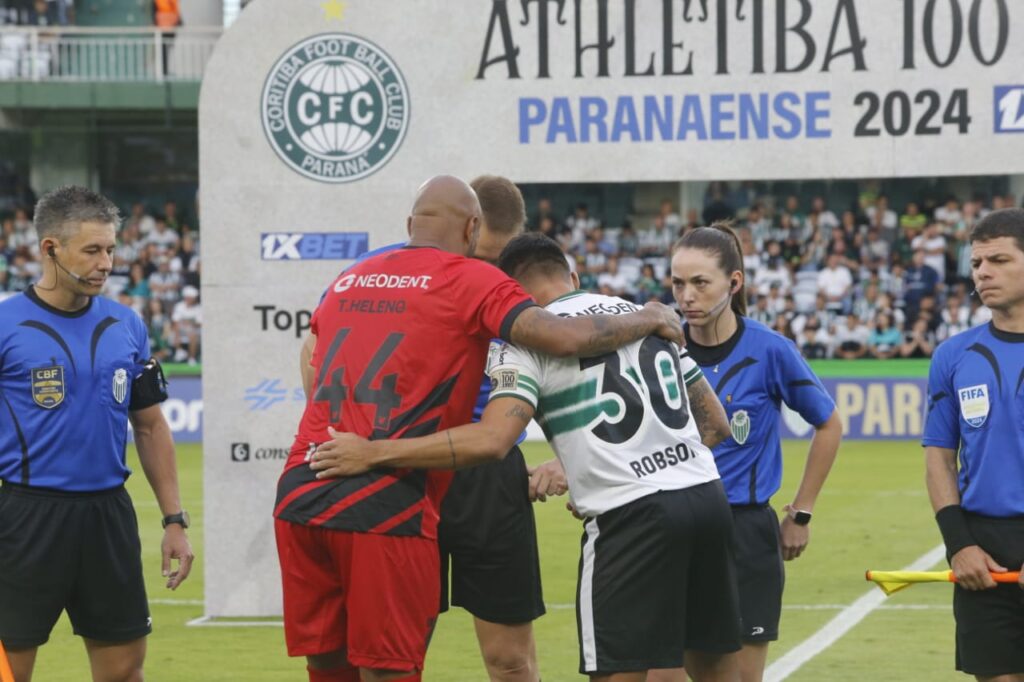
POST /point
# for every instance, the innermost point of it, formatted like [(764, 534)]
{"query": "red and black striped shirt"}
[(401, 343)]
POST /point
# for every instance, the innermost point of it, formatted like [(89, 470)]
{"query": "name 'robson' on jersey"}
[(619, 423)]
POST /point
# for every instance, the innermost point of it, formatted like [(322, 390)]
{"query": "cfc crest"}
[(335, 107), (120, 385), (48, 386), (740, 426)]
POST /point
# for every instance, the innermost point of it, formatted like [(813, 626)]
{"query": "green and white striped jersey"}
[(620, 423)]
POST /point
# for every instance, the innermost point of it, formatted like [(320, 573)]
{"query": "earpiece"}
[(50, 252), (734, 287)]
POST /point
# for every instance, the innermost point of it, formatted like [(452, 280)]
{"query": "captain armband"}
[(955, 533), (150, 387)]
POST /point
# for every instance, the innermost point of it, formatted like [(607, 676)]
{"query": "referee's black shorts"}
[(990, 623), (73, 551), (488, 542), (759, 571)]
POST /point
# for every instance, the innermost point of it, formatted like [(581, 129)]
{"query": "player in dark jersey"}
[(753, 370), (976, 415), (401, 344), (74, 370), (490, 564)]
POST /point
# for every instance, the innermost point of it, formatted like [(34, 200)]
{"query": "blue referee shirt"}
[(753, 373), (65, 387), (976, 406)]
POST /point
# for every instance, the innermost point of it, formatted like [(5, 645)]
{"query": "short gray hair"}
[(61, 212)]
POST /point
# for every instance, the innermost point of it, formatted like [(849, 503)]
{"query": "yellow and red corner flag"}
[(894, 581)]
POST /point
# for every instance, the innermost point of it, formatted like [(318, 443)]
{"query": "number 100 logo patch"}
[(974, 404)]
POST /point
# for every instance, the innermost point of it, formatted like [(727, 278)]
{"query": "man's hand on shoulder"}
[(669, 327)]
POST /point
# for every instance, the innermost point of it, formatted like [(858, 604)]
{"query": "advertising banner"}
[(318, 119)]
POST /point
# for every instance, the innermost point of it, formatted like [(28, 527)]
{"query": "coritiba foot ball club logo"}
[(335, 107)]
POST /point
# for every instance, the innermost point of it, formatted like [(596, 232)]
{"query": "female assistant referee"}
[(753, 370)]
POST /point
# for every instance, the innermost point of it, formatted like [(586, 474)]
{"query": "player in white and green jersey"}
[(593, 410), (657, 574)]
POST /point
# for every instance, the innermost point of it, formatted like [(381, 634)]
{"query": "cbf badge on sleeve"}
[(48, 386), (974, 404)]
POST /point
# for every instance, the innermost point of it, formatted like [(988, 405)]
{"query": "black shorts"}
[(488, 538), (657, 578), (759, 571), (990, 623), (74, 551)]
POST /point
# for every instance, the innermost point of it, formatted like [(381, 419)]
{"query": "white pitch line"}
[(207, 622), (842, 623), (815, 607)]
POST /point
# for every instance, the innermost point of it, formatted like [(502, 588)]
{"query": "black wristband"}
[(953, 526)]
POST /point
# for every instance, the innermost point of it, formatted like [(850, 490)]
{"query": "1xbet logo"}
[(313, 245), (1009, 115)]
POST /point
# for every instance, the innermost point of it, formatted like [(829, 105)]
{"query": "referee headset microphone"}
[(53, 256)]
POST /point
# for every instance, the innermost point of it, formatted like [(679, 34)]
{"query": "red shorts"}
[(375, 595)]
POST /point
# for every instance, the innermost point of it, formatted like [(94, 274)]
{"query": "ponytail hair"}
[(721, 240)]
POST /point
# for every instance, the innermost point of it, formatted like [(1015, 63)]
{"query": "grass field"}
[(874, 513)]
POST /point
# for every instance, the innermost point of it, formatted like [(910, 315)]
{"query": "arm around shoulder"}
[(589, 335), (460, 447)]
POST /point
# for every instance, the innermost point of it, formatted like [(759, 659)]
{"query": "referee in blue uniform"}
[(974, 454), (74, 369)]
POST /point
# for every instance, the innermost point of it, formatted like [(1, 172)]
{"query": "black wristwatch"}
[(800, 517), (181, 518)]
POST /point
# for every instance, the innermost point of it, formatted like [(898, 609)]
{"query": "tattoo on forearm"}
[(518, 412), (609, 333), (702, 408)]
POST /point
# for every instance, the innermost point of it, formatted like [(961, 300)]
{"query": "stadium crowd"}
[(156, 273), (866, 281)]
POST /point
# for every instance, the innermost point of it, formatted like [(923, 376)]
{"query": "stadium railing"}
[(108, 54)]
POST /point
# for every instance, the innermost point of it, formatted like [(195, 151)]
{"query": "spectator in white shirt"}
[(186, 322), (773, 272), (614, 281), (163, 237), (949, 214), (851, 338), (955, 318), (820, 216), (658, 239), (581, 223), (165, 284), (835, 282), (140, 220), (933, 244), (669, 215), (884, 218), (759, 225)]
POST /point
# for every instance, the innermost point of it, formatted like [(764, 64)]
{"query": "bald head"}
[(446, 214)]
